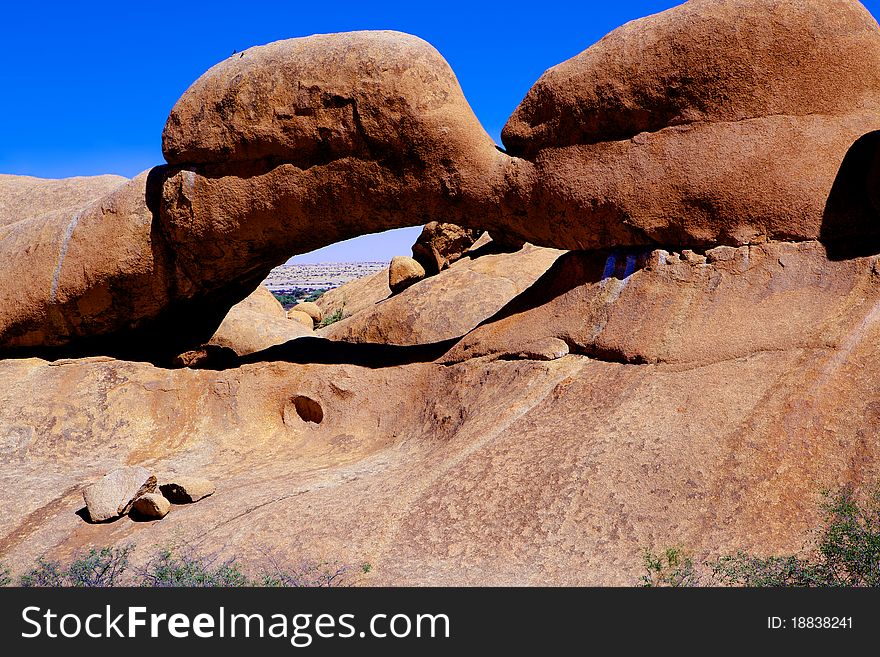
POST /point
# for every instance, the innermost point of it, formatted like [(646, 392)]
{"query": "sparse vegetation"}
[(286, 300), (178, 568), (743, 569), (190, 570), (293, 296), (95, 569), (308, 574), (847, 554), (671, 568), (332, 318)]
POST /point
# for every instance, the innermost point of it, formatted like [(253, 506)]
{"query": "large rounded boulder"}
[(716, 122), (256, 323), (307, 101)]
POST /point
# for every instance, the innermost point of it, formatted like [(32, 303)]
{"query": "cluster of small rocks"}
[(438, 246), (307, 313), (136, 489)]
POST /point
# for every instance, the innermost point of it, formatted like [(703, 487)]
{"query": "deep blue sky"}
[(88, 85)]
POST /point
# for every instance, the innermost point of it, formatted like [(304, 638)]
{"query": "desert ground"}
[(318, 276)]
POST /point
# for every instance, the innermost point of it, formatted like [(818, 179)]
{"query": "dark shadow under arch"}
[(851, 220)]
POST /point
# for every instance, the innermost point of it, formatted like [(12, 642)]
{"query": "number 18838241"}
[(810, 623)]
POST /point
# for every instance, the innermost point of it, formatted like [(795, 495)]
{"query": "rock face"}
[(106, 279), (25, 197), (733, 116), (151, 505), (362, 131), (404, 272), (447, 305), (704, 70), (185, 490), (80, 272), (656, 307), (368, 94), (163, 257), (441, 244), (256, 323), (115, 492), (491, 472)]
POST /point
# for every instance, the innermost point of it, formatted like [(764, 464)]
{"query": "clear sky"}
[(88, 85)]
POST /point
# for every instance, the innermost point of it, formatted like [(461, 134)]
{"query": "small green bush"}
[(846, 554), (176, 568), (671, 568), (45, 573), (286, 300), (743, 569), (308, 574), (189, 570), (332, 319), (95, 569), (850, 546)]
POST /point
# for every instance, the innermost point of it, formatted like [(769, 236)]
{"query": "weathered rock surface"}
[(697, 63), (404, 272), (27, 197), (105, 279), (80, 273), (716, 122), (656, 307), (485, 472), (355, 132), (256, 323), (186, 489), (168, 253), (151, 505), (115, 492), (440, 244), (449, 304)]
